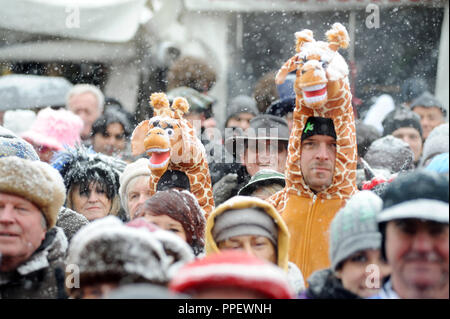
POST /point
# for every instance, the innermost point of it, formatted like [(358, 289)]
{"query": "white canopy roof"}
[(99, 20)]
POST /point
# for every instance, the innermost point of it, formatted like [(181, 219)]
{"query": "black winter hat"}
[(318, 126), (401, 117), (419, 184), (171, 179)]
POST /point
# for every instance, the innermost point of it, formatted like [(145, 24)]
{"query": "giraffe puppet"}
[(171, 143), (322, 90)]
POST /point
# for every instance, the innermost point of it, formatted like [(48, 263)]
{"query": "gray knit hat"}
[(246, 221), (241, 104), (426, 99), (354, 228), (436, 143)]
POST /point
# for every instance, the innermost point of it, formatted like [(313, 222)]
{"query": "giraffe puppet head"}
[(318, 65), (166, 137)]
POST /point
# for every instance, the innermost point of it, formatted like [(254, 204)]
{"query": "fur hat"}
[(55, 129), (366, 134), (12, 145), (390, 153), (233, 269), (437, 142), (399, 118), (132, 170), (177, 250), (183, 207), (107, 248), (35, 181), (81, 166), (354, 228), (318, 126)]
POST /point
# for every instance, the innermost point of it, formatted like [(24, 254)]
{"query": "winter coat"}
[(323, 284), (308, 221), (42, 275), (70, 221), (294, 274)]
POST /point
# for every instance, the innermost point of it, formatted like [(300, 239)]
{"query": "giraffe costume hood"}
[(171, 143), (322, 90)]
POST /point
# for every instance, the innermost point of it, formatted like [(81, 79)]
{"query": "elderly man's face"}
[(85, 105), (138, 191), (21, 230), (317, 161), (417, 251), (264, 154)]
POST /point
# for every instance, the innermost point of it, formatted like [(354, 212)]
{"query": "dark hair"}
[(109, 117), (183, 207), (365, 135), (265, 91), (192, 72)]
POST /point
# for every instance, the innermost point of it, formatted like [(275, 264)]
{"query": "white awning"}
[(99, 20), (298, 5)]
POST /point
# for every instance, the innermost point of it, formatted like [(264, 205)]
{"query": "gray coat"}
[(42, 275)]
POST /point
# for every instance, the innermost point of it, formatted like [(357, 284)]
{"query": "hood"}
[(241, 202)]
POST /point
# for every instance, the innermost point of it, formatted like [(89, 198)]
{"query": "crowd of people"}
[(78, 218)]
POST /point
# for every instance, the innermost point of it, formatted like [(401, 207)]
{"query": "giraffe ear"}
[(337, 37), (181, 106), (303, 37), (138, 136)]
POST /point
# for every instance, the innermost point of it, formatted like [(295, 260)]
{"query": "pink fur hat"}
[(55, 129)]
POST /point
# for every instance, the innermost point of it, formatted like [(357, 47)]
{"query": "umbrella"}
[(22, 91)]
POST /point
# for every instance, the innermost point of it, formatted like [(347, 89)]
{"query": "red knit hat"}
[(233, 269)]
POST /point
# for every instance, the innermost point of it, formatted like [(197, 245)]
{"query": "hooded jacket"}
[(240, 202), (42, 275)]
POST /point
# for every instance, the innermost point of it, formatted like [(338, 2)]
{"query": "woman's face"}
[(363, 272), (167, 223), (258, 246), (91, 202)]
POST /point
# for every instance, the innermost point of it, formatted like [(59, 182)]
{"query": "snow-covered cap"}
[(233, 269), (177, 250), (35, 181), (426, 209), (12, 145), (426, 99), (106, 247)]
